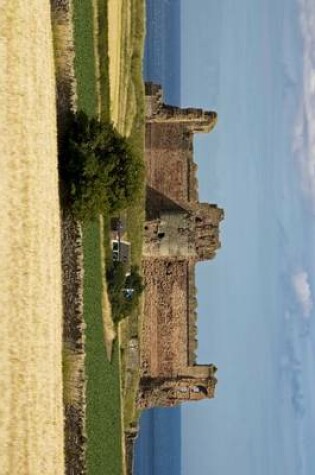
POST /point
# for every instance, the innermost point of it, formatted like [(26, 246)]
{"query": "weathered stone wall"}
[(168, 153), (169, 145), (164, 334), (190, 386), (192, 342), (207, 239), (172, 234), (192, 233), (179, 231), (196, 120)]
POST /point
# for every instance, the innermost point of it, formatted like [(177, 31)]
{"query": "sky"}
[(252, 61)]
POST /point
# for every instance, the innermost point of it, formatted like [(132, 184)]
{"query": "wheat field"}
[(31, 417)]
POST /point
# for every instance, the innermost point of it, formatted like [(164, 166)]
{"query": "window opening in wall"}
[(195, 389), (182, 389)]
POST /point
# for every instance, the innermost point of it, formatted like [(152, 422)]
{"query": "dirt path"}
[(31, 416)]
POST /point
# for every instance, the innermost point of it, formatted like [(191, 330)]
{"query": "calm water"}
[(158, 448), (162, 47)]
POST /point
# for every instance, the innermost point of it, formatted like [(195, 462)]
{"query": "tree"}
[(98, 168), (135, 281), (124, 289)]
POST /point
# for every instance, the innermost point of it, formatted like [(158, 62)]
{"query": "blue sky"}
[(254, 63)]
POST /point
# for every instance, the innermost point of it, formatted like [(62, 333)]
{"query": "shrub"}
[(98, 169), (123, 302)]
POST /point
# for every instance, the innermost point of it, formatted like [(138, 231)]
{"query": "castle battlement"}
[(179, 231)]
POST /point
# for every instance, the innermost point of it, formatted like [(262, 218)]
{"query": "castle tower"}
[(183, 233), (193, 384), (207, 228), (193, 119)]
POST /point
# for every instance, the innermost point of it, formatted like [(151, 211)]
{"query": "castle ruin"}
[(179, 231)]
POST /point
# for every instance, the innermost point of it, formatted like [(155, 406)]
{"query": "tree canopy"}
[(98, 168), (124, 289)]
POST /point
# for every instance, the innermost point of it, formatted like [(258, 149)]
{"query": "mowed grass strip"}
[(103, 58), (104, 454), (104, 451), (84, 56)]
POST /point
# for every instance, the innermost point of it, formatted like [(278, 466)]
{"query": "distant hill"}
[(162, 48)]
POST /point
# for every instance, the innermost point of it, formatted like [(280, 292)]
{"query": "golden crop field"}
[(31, 416)]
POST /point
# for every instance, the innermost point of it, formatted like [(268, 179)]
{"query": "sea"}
[(163, 47), (158, 447)]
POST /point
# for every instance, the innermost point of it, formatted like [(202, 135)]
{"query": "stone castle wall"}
[(168, 156), (195, 120), (164, 340), (179, 231), (171, 234), (191, 233)]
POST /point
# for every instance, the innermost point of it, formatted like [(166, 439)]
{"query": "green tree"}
[(98, 169), (135, 281), (124, 289)]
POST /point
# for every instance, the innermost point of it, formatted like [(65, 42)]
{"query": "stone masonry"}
[(179, 232)]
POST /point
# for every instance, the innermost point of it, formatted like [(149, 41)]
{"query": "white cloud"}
[(303, 292), (304, 133)]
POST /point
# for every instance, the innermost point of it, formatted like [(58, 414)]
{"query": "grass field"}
[(125, 91), (31, 414), (126, 20), (104, 451), (135, 214), (132, 112), (122, 100), (127, 32), (118, 13), (103, 389), (102, 44), (85, 57)]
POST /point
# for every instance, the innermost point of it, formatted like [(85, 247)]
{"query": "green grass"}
[(103, 58), (135, 213), (104, 451), (103, 388), (84, 56)]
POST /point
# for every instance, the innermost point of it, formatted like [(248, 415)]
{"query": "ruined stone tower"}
[(179, 231)]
